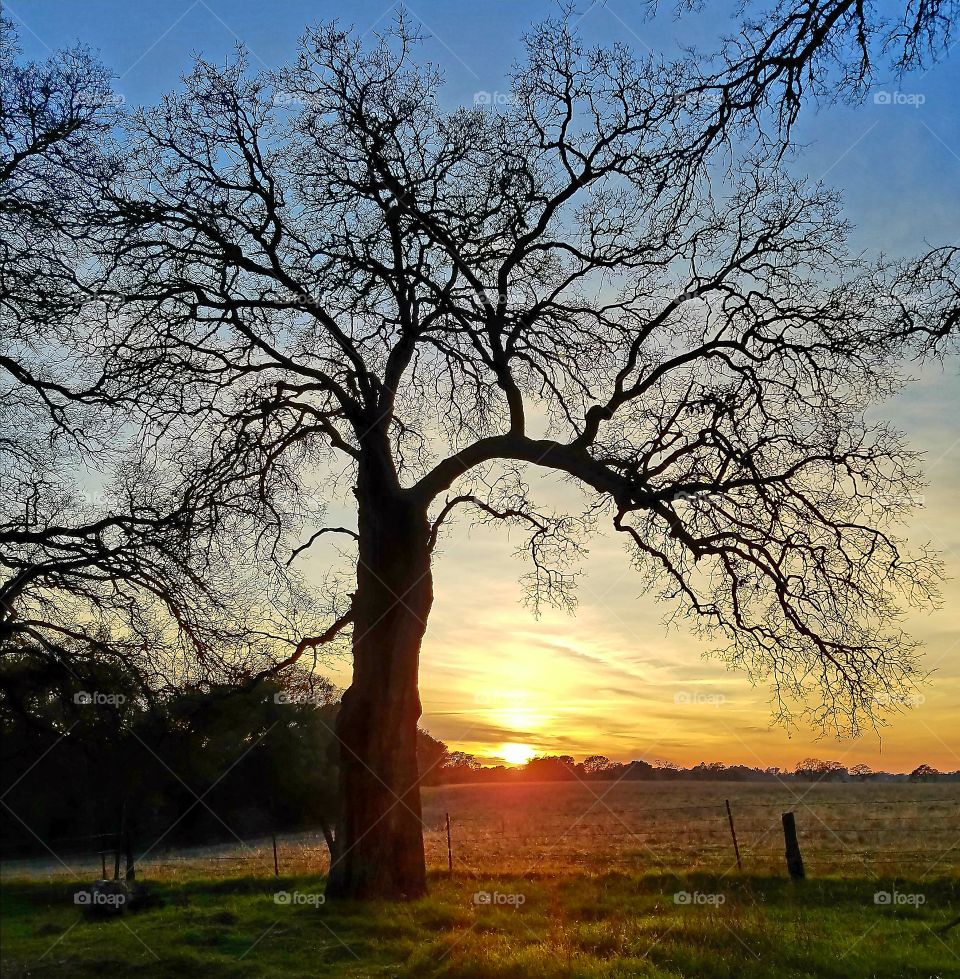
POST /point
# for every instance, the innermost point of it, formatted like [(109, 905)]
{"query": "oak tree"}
[(359, 313)]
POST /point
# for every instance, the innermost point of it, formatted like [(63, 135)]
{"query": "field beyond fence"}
[(868, 830)]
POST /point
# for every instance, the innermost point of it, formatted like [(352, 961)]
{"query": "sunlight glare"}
[(516, 754)]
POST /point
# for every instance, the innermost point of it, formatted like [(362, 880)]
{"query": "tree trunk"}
[(379, 836)]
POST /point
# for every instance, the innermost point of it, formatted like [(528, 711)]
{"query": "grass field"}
[(640, 882)]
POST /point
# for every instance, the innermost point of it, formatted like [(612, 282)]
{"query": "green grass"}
[(607, 925)]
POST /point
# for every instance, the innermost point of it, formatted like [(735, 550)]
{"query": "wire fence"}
[(914, 831), (597, 828)]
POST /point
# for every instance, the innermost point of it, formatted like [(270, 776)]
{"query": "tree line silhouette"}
[(232, 763)]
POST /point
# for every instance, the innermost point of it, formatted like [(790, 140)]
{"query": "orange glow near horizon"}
[(615, 679), (516, 754)]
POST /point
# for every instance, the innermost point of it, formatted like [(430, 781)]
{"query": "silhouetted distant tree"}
[(550, 768), (432, 756), (924, 773), (639, 770), (816, 770), (596, 765), (711, 771), (461, 760)]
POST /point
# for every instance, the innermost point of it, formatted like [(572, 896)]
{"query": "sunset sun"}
[(516, 754)]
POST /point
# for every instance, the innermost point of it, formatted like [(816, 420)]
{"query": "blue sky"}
[(614, 672), (898, 164)]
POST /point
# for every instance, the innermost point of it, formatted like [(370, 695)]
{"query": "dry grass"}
[(847, 830)]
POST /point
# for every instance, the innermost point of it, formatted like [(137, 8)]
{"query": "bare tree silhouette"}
[(321, 271), (102, 547)]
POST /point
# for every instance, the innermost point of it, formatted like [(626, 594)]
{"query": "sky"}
[(613, 678)]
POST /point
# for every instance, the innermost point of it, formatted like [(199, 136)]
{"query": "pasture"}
[(558, 879)]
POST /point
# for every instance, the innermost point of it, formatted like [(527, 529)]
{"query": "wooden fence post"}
[(276, 863), (449, 847), (733, 833), (118, 839), (131, 871), (794, 857)]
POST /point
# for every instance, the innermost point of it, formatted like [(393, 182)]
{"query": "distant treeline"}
[(88, 752), (458, 767)]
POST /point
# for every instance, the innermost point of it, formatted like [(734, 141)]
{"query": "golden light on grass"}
[(516, 754)]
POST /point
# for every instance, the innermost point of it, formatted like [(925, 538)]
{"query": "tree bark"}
[(379, 836)]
